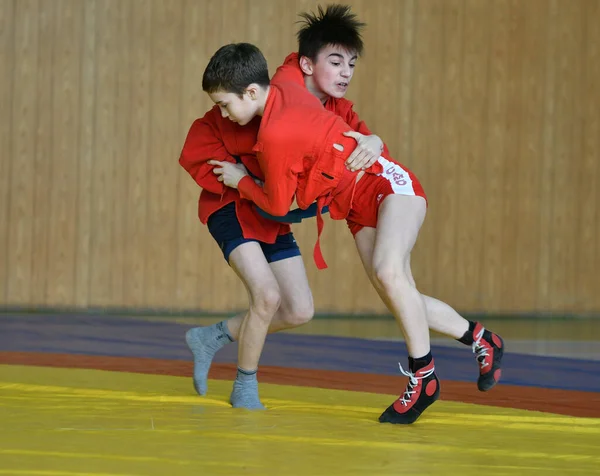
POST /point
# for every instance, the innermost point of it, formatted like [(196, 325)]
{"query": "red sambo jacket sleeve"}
[(344, 108), (204, 143), (277, 193)]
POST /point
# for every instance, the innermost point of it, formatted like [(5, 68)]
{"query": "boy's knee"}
[(391, 278), (266, 302), (300, 313)]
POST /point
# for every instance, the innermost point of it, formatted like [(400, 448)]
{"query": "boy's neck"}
[(314, 90), (264, 95)]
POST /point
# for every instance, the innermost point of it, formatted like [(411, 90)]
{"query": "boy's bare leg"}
[(288, 278), (441, 317), (263, 282), (296, 307), (398, 223), (250, 264)]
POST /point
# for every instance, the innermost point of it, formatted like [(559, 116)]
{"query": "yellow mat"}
[(87, 422)]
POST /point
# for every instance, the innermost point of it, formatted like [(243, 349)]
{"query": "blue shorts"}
[(225, 228)]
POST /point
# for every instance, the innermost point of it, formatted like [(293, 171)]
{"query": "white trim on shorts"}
[(398, 178)]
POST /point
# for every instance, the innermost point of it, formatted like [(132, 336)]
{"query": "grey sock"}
[(245, 391), (204, 342)]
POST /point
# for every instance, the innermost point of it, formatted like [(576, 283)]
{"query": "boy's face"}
[(332, 70), (240, 110)]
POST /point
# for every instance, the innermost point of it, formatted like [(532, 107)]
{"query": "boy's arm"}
[(202, 144), (276, 195), (359, 125)]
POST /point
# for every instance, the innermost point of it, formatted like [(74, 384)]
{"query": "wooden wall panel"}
[(7, 59), (568, 109), (163, 178), (472, 163), (532, 153), (103, 169), (64, 126), (86, 179), (494, 105), (448, 155), (43, 137), (588, 244), (21, 246), (136, 152)]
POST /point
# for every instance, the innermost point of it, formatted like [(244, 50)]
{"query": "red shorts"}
[(372, 189)]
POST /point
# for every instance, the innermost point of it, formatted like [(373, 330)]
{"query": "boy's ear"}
[(306, 65), (252, 90)]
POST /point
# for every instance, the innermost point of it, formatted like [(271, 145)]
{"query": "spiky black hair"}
[(336, 25)]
